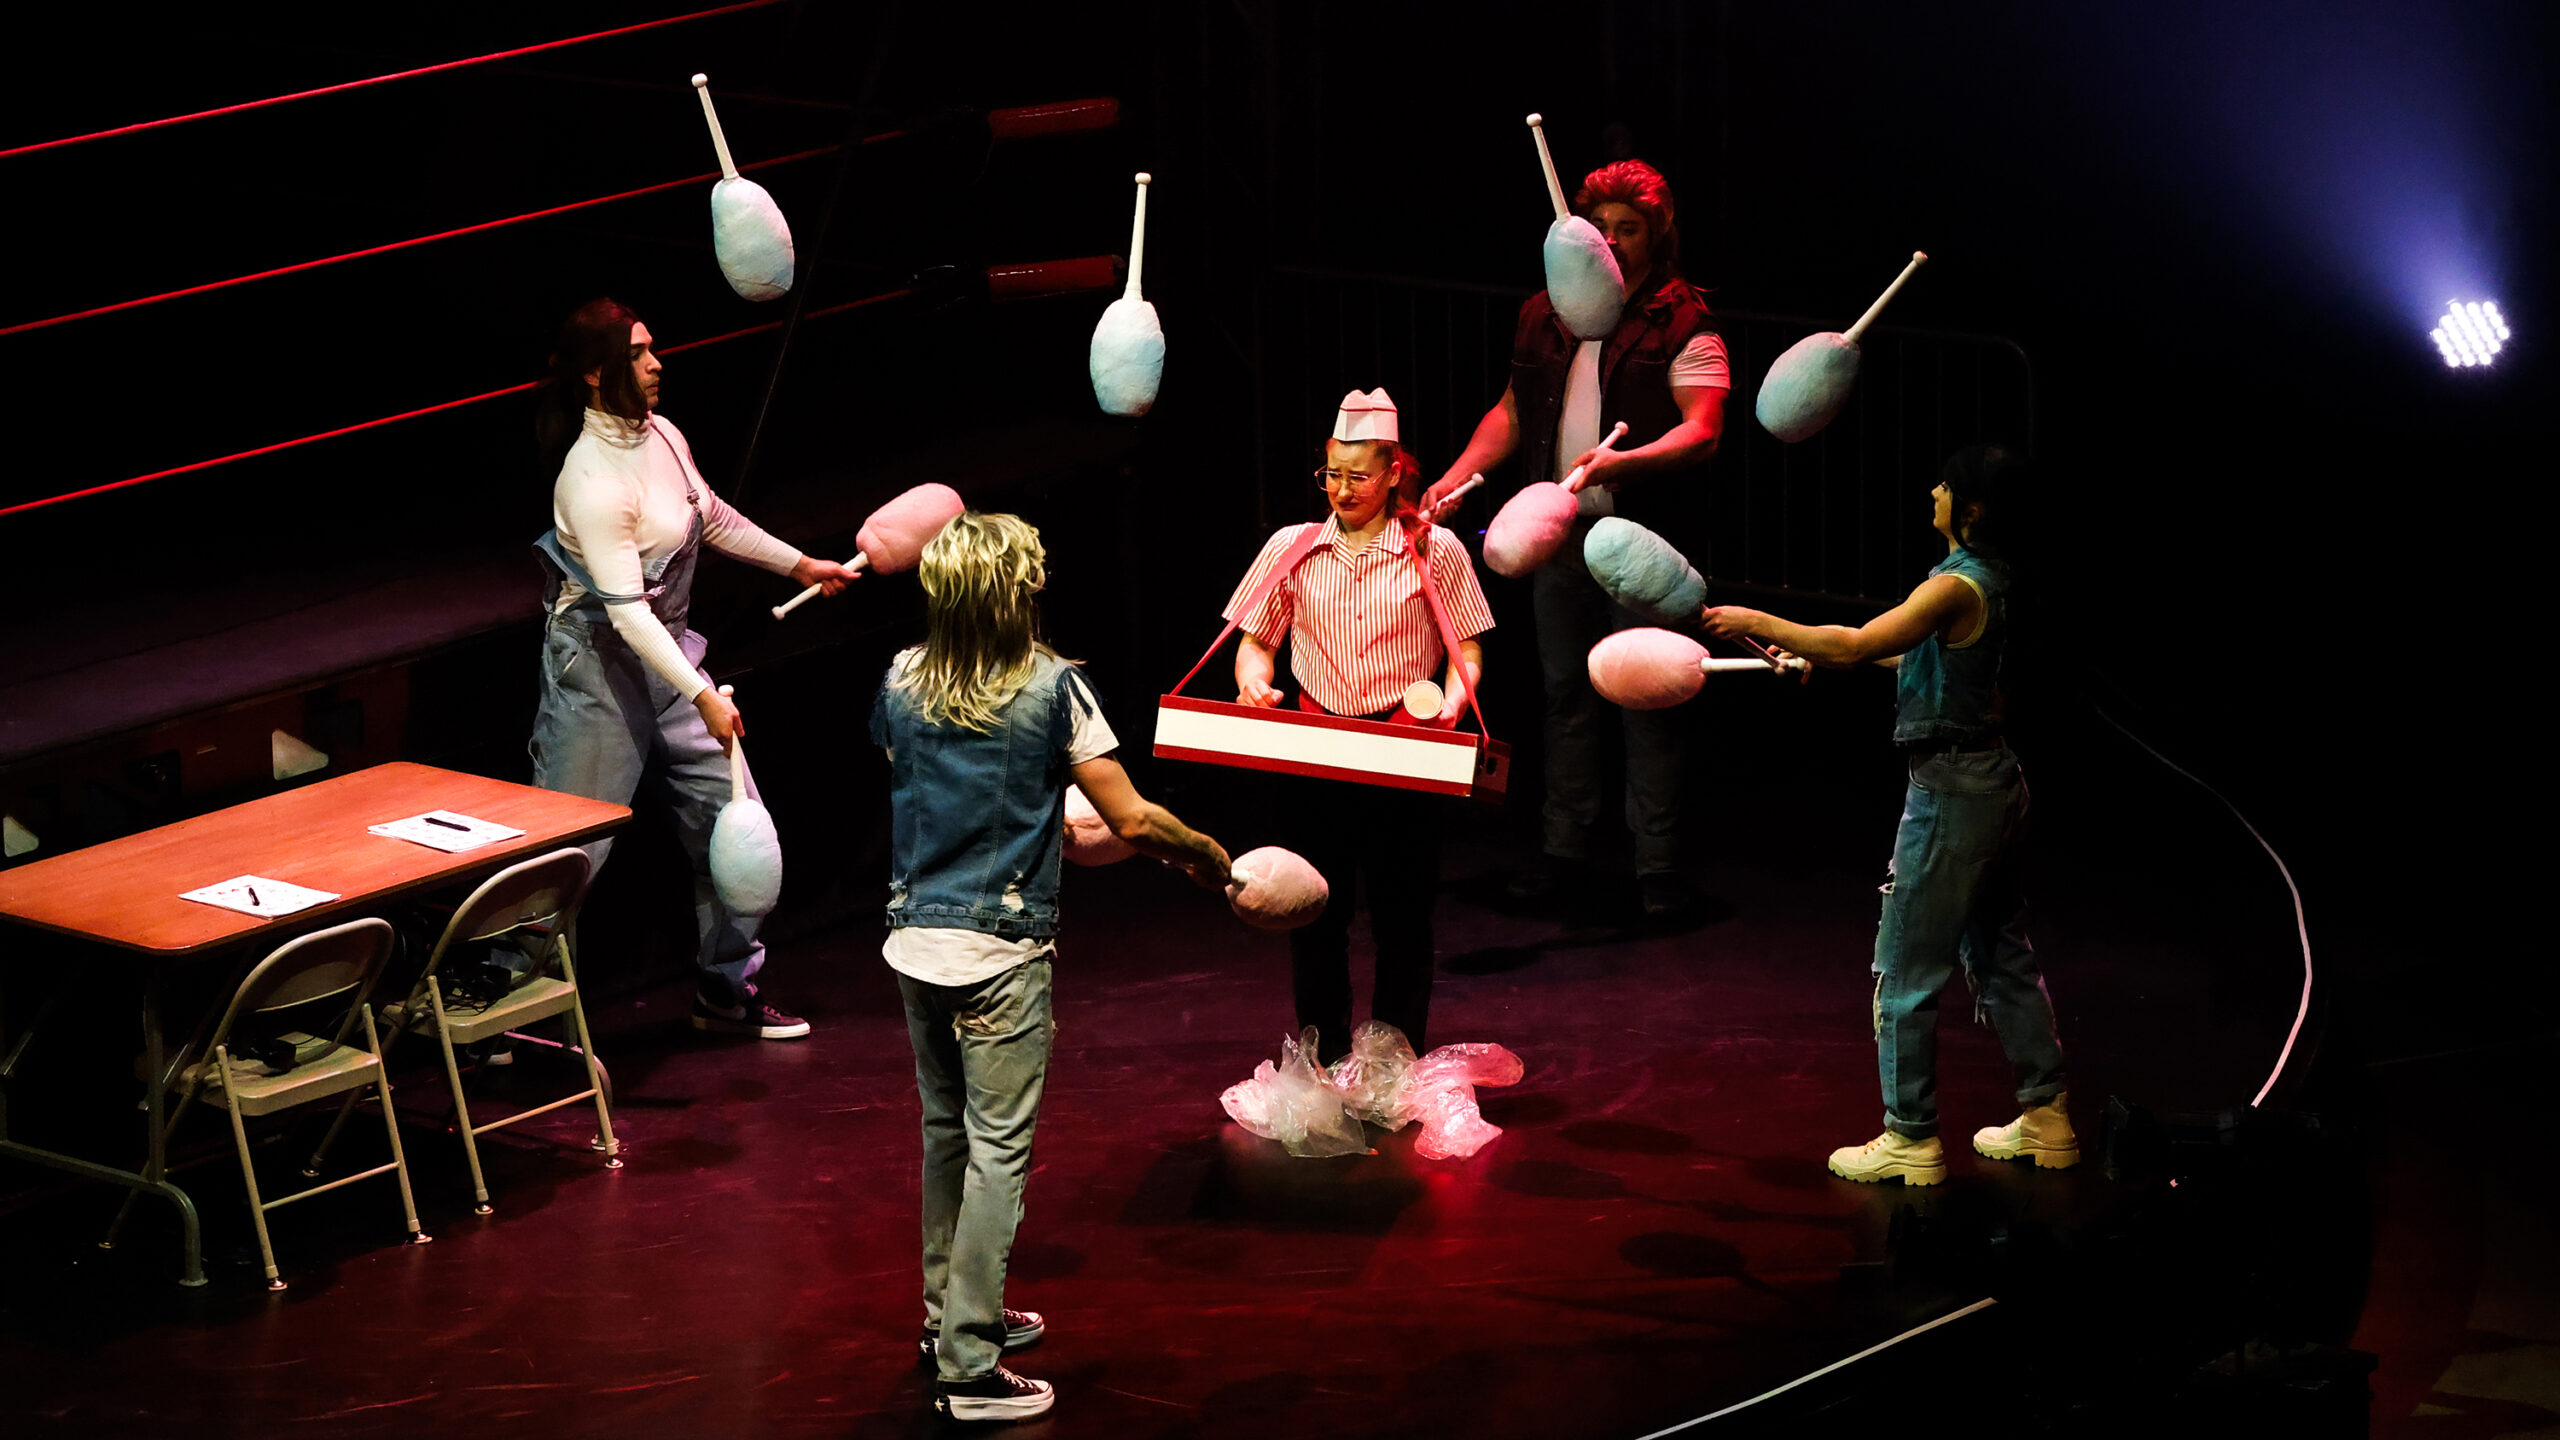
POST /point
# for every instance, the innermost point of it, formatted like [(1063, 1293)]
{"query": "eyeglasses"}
[(1349, 481)]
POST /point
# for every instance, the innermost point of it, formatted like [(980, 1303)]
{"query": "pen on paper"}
[(253, 894), (449, 825)]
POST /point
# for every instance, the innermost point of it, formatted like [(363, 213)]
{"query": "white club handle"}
[(1918, 258), (719, 142), (737, 756), (1726, 665), (1546, 162), (1138, 237), (1450, 501), (805, 596), (1573, 482)]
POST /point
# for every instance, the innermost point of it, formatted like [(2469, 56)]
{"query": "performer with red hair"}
[(1664, 373)]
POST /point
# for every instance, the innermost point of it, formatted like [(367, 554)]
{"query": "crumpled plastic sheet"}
[(1312, 1112), (1291, 1103)]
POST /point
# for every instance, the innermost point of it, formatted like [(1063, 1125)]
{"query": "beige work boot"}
[(1890, 1156), (2043, 1134)]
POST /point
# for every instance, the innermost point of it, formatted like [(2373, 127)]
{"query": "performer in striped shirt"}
[(1364, 633)]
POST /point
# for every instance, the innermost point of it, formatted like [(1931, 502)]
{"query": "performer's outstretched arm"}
[(1943, 605)]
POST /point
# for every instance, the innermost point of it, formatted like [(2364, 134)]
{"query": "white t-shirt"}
[(940, 956), (1700, 365)]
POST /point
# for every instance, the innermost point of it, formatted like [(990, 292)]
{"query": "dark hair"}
[(596, 336), (1995, 478), (1640, 188)]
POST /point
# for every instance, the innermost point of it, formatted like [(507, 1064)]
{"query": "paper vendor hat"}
[(1366, 417)]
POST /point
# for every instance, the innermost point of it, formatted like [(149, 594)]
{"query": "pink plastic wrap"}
[(1291, 1103), (1379, 1082)]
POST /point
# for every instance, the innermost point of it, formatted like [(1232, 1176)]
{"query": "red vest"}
[(1635, 386)]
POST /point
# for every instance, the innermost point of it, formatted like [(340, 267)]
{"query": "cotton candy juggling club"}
[(1811, 381), (746, 853), (748, 233), (1583, 280), (1126, 359), (1531, 526), (1089, 838), (893, 539), (1275, 889), (1651, 669), (1642, 571)]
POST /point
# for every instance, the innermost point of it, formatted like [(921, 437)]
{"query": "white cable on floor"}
[(1984, 1303), (2301, 926)]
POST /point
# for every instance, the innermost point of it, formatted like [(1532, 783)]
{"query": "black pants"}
[(1369, 843)]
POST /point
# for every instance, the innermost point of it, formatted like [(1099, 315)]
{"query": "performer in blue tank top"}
[(1951, 897)]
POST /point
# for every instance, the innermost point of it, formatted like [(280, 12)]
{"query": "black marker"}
[(449, 825), (253, 894)]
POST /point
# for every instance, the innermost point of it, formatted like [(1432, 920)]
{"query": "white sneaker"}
[(1001, 1395), (2043, 1134), (1891, 1157)]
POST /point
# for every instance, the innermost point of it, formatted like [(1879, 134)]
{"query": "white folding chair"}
[(538, 899), (320, 979)]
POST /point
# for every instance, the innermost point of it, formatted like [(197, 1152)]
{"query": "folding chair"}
[(319, 977), (538, 898)]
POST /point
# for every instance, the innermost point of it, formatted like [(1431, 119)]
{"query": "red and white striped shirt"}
[(1364, 630)]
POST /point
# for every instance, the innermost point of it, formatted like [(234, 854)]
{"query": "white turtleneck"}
[(620, 503)]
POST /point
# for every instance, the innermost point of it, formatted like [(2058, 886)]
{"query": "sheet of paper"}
[(444, 830), (257, 895)]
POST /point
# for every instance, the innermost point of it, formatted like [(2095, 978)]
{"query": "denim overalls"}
[(607, 719), (1951, 895)]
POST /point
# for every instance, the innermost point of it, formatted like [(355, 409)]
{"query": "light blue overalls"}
[(608, 721)]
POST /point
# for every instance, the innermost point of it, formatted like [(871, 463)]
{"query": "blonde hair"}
[(981, 628)]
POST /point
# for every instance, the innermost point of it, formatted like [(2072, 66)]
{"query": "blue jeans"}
[(1953, 898), (982, 1058), (1574, 614), (607, 722)]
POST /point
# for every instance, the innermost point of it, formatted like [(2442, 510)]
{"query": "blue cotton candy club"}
[(746, 858), (1807, 386), (748, 234), (1583, 279), (751, 239), (1644, 573), (1126, 359)]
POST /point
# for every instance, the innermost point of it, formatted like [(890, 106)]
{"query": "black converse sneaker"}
[(1022, 1330), (755, 1018), (1001, 1395)]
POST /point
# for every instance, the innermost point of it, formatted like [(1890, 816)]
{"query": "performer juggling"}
[(1352, 592), (984, 727), (623, 691), (1663, 374), (1951, 896)]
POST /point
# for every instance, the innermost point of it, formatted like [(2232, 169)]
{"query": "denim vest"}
[(977, 821), (1947, 692)]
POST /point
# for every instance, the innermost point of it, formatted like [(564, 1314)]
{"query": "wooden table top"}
[(125, 892)]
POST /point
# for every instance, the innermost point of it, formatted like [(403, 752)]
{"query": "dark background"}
[(2278, 538)]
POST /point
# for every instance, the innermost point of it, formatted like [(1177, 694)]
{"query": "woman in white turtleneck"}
[(623, 691)]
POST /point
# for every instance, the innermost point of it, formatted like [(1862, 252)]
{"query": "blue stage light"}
[(2470, 333)]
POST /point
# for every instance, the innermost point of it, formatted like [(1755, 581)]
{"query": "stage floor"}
[(1652, 1238)]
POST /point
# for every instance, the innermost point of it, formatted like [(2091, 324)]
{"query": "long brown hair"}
[(596, 336)]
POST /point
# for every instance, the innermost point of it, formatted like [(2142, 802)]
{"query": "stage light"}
[(2471, 333)]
